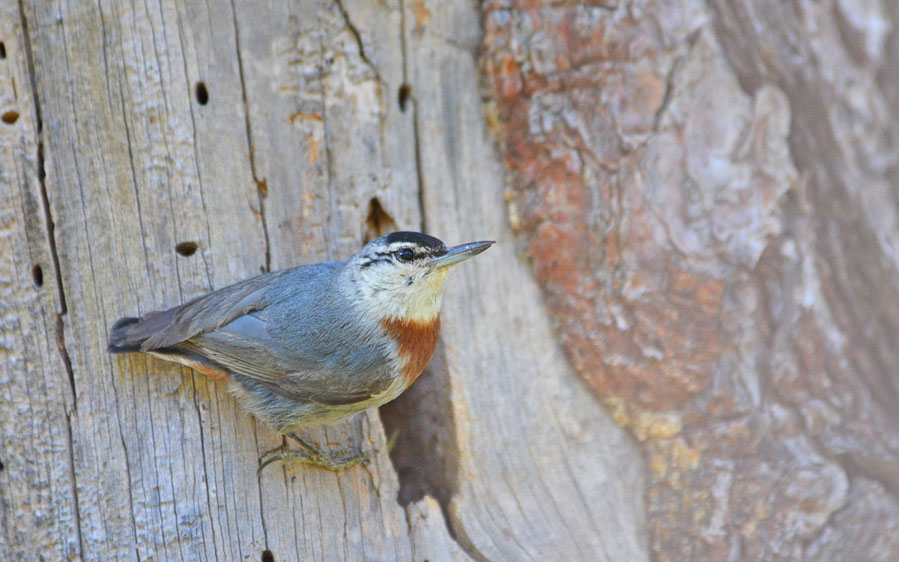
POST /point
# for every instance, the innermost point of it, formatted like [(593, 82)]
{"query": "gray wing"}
[(165, 328), (308, 371), (278, 329)]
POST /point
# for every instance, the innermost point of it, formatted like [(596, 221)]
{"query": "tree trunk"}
[(697, 221)]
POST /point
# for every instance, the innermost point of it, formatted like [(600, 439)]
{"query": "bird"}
[(313, 344)]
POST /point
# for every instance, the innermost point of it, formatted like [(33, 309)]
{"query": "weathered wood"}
[(38, 511), (429, 541), (319, 119), (134, 167), (540, 471)]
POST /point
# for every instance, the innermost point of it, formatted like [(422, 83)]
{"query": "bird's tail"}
[(119, 340)]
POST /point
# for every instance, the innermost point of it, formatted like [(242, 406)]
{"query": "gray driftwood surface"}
[(263, 133)]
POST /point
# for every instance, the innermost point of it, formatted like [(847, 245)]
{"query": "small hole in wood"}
[(202, 93), (1, 464), (267, 556), (2, 50), (37, 275), (403, 95), (10, 116), (378, 222), (186, 249)]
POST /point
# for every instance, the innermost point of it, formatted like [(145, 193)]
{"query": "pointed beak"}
[(460, 253)]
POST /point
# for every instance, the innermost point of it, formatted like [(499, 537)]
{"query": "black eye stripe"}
[(418, 250), (393, 254)]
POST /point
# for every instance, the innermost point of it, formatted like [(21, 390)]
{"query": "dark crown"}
[(417, 238)]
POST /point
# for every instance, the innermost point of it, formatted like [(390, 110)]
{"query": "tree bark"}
[(708, 192), (151, 153)]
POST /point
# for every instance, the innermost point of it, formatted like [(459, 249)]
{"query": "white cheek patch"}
[(388, 294)]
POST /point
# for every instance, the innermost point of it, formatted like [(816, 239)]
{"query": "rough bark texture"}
[(708, 194), (150, 152)]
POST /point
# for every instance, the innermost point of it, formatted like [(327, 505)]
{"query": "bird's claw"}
[(341, 459), (336, 460)]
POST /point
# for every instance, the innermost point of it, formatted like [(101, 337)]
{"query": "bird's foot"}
[(336, 461), (341, 459)]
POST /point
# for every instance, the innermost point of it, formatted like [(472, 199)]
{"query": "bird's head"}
[(401, 275)]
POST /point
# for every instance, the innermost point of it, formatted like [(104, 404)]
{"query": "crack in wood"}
[(259, 486), (73, 482), (262, 193), (59, 325), (48, 213), (358, 38), (398, 417), (261, 184), (325, 127), (410, 97)]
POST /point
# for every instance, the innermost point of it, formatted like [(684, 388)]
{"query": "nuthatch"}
[(313, 344)]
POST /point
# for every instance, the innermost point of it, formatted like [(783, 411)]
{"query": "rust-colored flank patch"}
[(215, 374), (416, 342)]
